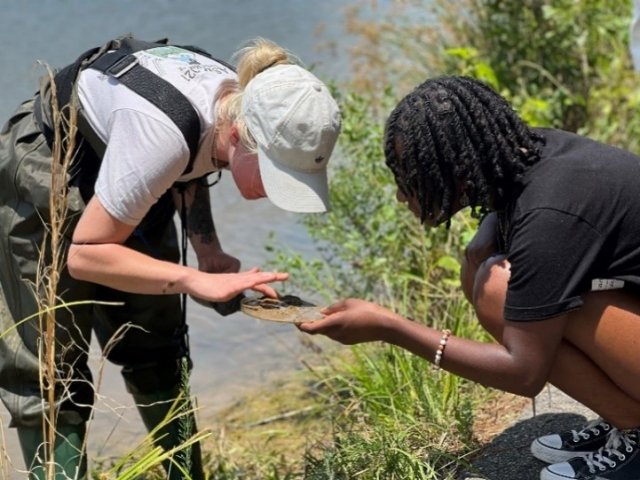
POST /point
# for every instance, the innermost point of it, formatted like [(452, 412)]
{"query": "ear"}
[(466, 190), (234, 135)]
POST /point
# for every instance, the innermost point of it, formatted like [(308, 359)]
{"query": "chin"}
[(431, 222), (252, 195)]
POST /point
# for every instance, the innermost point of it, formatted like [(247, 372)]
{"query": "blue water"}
[(56, 31), (233, 353)]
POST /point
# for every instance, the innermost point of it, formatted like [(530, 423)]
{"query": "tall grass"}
[(146, 458), (393, 416), (50, 267)]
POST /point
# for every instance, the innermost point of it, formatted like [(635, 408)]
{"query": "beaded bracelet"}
[(446, 333)]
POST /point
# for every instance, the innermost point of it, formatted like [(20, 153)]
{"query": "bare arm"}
[(201, 229), (519, 365), (98, 255)]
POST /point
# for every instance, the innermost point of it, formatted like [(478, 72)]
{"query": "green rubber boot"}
[(153, 409), (70, 460)]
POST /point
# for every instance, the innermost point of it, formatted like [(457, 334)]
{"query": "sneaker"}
[(619, 459), (561, 447), (470, 476)]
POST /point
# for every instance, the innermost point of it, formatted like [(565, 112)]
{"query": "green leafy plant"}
[(562, 64)]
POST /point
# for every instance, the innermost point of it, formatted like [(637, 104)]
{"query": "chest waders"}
[(117, 59)]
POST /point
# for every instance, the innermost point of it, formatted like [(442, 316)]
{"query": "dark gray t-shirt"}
[(575, 227)]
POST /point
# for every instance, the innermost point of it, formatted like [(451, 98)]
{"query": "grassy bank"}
[(303, 427), (375, 411)]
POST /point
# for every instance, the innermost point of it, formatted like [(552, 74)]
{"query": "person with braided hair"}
[(553, 271)]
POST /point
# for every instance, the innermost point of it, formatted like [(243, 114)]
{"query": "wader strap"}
[(125, 67), (183, 251), (116, 58)]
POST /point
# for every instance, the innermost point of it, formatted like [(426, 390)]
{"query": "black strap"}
[(124, 66), (65, 79), (116, 58), (183, 252)]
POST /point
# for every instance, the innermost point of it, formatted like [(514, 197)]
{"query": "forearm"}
[(489, 364), (122, 268), (198, 218)]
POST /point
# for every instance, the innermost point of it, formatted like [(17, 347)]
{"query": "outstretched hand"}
[(353, 321), (220, 287)]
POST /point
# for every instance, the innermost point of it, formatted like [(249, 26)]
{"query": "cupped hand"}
[(353, 321), (220, 287), (484, 243)]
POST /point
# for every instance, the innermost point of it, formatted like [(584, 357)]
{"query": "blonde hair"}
[(258, 55), (253, 58)]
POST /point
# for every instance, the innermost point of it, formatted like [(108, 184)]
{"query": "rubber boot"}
[(70, 460), (153, 409)]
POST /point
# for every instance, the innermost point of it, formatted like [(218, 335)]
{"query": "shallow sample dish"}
[(285, 309)]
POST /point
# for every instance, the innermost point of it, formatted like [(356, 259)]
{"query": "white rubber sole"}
[(552, 455), (547, 475)]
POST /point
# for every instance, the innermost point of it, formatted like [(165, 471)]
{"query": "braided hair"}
[(457, 129)]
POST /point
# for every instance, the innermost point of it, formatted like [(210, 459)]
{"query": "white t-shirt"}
[(146, 152)]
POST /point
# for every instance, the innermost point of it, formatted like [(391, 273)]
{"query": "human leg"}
[(20, 392), (152, 350), (598, 364), (489, 294), (158, 410), (606, 331), (598, 360), (25, 166), (69, 458)]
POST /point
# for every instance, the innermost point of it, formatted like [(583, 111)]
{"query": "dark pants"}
[(149, 340)]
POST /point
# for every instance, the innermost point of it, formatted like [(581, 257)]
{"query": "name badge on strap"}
[(599, 284)]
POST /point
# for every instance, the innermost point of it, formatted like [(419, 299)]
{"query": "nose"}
[(401, 197)]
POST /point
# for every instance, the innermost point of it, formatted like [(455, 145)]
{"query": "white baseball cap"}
[(295, 122)]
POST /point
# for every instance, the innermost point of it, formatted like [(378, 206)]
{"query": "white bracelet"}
[(446, 333)]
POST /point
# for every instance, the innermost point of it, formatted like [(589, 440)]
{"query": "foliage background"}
[(563, 64)]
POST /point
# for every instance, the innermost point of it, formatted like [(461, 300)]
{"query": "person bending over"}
[(154, 120)]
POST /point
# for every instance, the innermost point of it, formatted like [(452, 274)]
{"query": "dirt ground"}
[(506, 454)]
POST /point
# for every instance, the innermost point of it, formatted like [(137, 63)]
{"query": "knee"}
[(467, 276), (489, 293), (158, 376)]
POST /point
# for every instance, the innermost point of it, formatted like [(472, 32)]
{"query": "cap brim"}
[(293, 190)]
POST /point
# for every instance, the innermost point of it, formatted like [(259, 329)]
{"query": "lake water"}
[(234, 353)]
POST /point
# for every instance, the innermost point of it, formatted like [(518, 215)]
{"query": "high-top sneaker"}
[(560, 447), (619, 459)]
